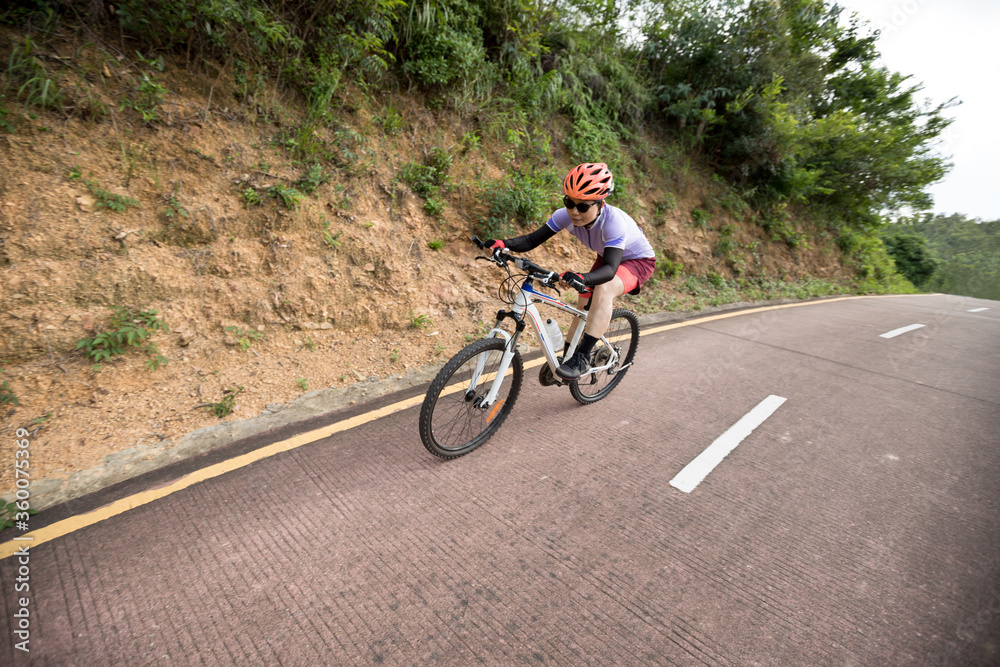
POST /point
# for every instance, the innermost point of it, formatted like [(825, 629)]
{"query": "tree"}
[(967, 252), (788, 103), (910, 253)]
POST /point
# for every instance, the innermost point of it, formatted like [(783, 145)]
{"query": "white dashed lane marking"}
[(696, 471), (903, 330)]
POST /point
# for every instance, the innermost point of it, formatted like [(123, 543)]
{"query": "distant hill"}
[(968, 254)]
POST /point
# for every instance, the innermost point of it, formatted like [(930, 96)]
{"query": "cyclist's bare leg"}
[(601, 304), (599, 316)]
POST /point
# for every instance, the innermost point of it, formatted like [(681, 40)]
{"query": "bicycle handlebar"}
[(501, 256)]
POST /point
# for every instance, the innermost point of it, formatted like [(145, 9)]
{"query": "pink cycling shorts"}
[(633, 272)]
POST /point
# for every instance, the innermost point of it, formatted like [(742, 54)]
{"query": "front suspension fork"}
[(510, 345)]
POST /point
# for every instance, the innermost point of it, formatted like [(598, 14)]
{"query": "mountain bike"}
[(475, 391)]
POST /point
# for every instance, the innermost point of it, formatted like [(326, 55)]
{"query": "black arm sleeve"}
[(612, 260), (530, 241)]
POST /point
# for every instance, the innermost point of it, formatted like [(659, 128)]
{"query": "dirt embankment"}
[(354, 282)]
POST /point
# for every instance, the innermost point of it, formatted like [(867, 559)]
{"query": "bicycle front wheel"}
[(453, 419), (623, 336)]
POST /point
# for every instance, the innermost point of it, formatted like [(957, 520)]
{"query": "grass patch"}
[(227, 404), (419, 322)]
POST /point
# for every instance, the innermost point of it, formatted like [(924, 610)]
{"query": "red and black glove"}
[(569, 277), (494, 244)]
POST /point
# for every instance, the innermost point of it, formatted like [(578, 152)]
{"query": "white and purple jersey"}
[(613, 228)]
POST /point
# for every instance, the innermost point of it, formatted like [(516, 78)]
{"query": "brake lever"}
[(499, 256)]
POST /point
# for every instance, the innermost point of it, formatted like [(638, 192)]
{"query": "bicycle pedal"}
[(546, 378)]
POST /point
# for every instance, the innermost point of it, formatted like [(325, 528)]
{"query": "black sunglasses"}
[(582, 208)]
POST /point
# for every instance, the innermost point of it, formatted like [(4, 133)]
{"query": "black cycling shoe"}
[(574, 367)]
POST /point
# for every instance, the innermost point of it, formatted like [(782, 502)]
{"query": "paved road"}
[(857, 525)]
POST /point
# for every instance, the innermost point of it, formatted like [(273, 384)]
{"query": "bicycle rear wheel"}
[(453, 420), (623, 335)]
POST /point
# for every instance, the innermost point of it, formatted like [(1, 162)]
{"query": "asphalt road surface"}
[(857, 523)]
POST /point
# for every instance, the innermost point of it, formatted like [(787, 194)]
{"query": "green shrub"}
[(523, 197), (666, 267), (104, 199), (251, 197), (127, 328), (422, 179), (7, 395), (429, 179), (330, 239), (434, 206), (174, 208), (289, 197), (867, 255), (910, 253), (734, 204), (4, 123), (419, 322), (9, 511), (311, 181), (391, 120), (593, 141), (778, 225), (444, 42), (725, 244), (700, 218), (470, 141), (663, 206), (110, 200), (146, 99), (245, 337)]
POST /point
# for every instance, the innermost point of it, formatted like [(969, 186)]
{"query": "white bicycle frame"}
[(524, 304)]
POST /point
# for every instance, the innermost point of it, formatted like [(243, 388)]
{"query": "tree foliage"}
[(910, 253), (789, 103), (967, 253)]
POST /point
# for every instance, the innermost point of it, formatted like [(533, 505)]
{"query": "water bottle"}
[(554, 334)]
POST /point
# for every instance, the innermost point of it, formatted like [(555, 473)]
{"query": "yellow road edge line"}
[(74, 523)]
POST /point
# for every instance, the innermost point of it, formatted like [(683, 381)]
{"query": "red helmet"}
[(588, 182)]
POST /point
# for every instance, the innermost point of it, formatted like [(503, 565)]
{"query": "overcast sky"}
[(950, 47)]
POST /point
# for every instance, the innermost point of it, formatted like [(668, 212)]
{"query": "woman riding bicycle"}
[(625, 259)]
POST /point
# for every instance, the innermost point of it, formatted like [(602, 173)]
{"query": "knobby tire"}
[(623, 333), (451, 423)]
